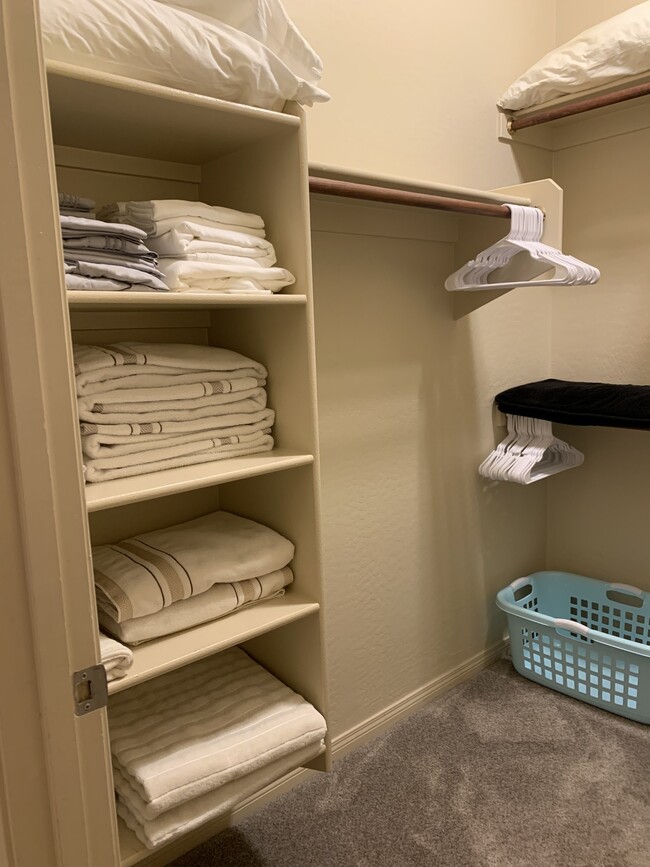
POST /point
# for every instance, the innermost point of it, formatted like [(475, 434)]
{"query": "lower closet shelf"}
[(119, 492), (132, 851), (174, 651)]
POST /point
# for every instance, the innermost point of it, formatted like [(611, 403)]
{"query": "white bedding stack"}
[(145, 407), (205, 248), (190, 745)]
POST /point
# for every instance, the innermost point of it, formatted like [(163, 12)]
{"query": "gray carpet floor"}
[(498, 772)]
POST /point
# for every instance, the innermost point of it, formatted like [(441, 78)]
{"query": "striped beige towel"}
[(236, 413), (218, 601), (173, 410), (151, 571), (192, 814), (103, 368), (215, 448), (93, 473), (110, 445), (189, 732)]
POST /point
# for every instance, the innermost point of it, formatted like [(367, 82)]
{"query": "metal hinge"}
[(89, 689)]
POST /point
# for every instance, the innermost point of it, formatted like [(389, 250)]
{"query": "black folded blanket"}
[(580, 403)]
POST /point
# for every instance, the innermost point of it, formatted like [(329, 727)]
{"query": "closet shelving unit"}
[(116, 139)]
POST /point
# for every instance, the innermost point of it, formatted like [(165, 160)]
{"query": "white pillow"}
[(146, 40), (613, 49), (266, 21)]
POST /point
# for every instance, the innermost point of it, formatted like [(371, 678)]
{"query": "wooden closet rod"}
[(589, 103), (349, 190)]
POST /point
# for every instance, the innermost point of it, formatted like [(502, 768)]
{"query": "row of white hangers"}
[(524, 237), (529, 453)]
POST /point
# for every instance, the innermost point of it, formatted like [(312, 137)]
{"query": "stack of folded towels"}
[(101, 256), (187, 747), (162, 582), (203, 248), (76, 206), (145, 407)]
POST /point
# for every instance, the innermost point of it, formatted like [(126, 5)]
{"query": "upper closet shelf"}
[(101, 301), (135, 489), (109, 113)]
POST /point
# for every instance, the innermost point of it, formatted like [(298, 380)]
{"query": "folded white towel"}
[(218, 601), (107, 445), (116, 658), (216, 447), (92, 473), (117, 398), (169, 410), (179, 736), (192, 814), (252, 400), (190, 237), (188, 274), (149, 572), (240, 412), (116, 364)]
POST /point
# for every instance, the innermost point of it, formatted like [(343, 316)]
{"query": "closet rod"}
[(589, 103), (349, 190)]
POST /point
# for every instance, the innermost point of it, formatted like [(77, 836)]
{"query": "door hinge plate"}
[(89, 689)]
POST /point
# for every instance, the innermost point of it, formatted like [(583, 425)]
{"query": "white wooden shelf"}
[(161, 655), (104, 301), (119, 492), (162, 122)]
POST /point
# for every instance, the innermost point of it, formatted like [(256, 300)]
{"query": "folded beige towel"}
[(116, 658), (192, 814), (189, 732), (93, 473), (218, 601), (151, 571), (111, 445), (103, 368)]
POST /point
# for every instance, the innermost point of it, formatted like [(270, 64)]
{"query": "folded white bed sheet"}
[(111, 445), (188, 236), (148, 216), (142, 575), (194, 274), (189, 732), (102, 368), (192, 814), (95, 474), (217, 602), (116, 658)]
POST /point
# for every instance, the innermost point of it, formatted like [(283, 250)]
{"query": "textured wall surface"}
[(574, 16)]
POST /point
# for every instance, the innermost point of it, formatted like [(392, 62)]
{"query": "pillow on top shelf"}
[(160, 44), (613, 49), (266, 21)]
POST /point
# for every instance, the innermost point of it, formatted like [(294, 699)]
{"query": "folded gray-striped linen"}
[(146, 407), (152, 571), (77, 206), (205, 248), (218, 601), (189, 745), (101, 251)]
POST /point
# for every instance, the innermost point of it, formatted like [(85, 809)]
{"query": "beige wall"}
[(574, 16), (415, 543), (414, 85)]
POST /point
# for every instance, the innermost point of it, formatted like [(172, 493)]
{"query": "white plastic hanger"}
[(529, 453), (526, 229)]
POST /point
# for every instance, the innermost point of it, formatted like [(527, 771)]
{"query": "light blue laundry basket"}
[(583, 637)]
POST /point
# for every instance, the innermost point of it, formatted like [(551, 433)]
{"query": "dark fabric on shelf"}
[(499, 772), (580, 403)]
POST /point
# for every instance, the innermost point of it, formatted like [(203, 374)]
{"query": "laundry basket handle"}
[(626, 588)]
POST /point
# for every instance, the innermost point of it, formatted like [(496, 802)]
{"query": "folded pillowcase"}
[(598, 56), (149, 572)]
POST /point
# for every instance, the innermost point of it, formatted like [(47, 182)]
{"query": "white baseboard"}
[(342, 744)]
